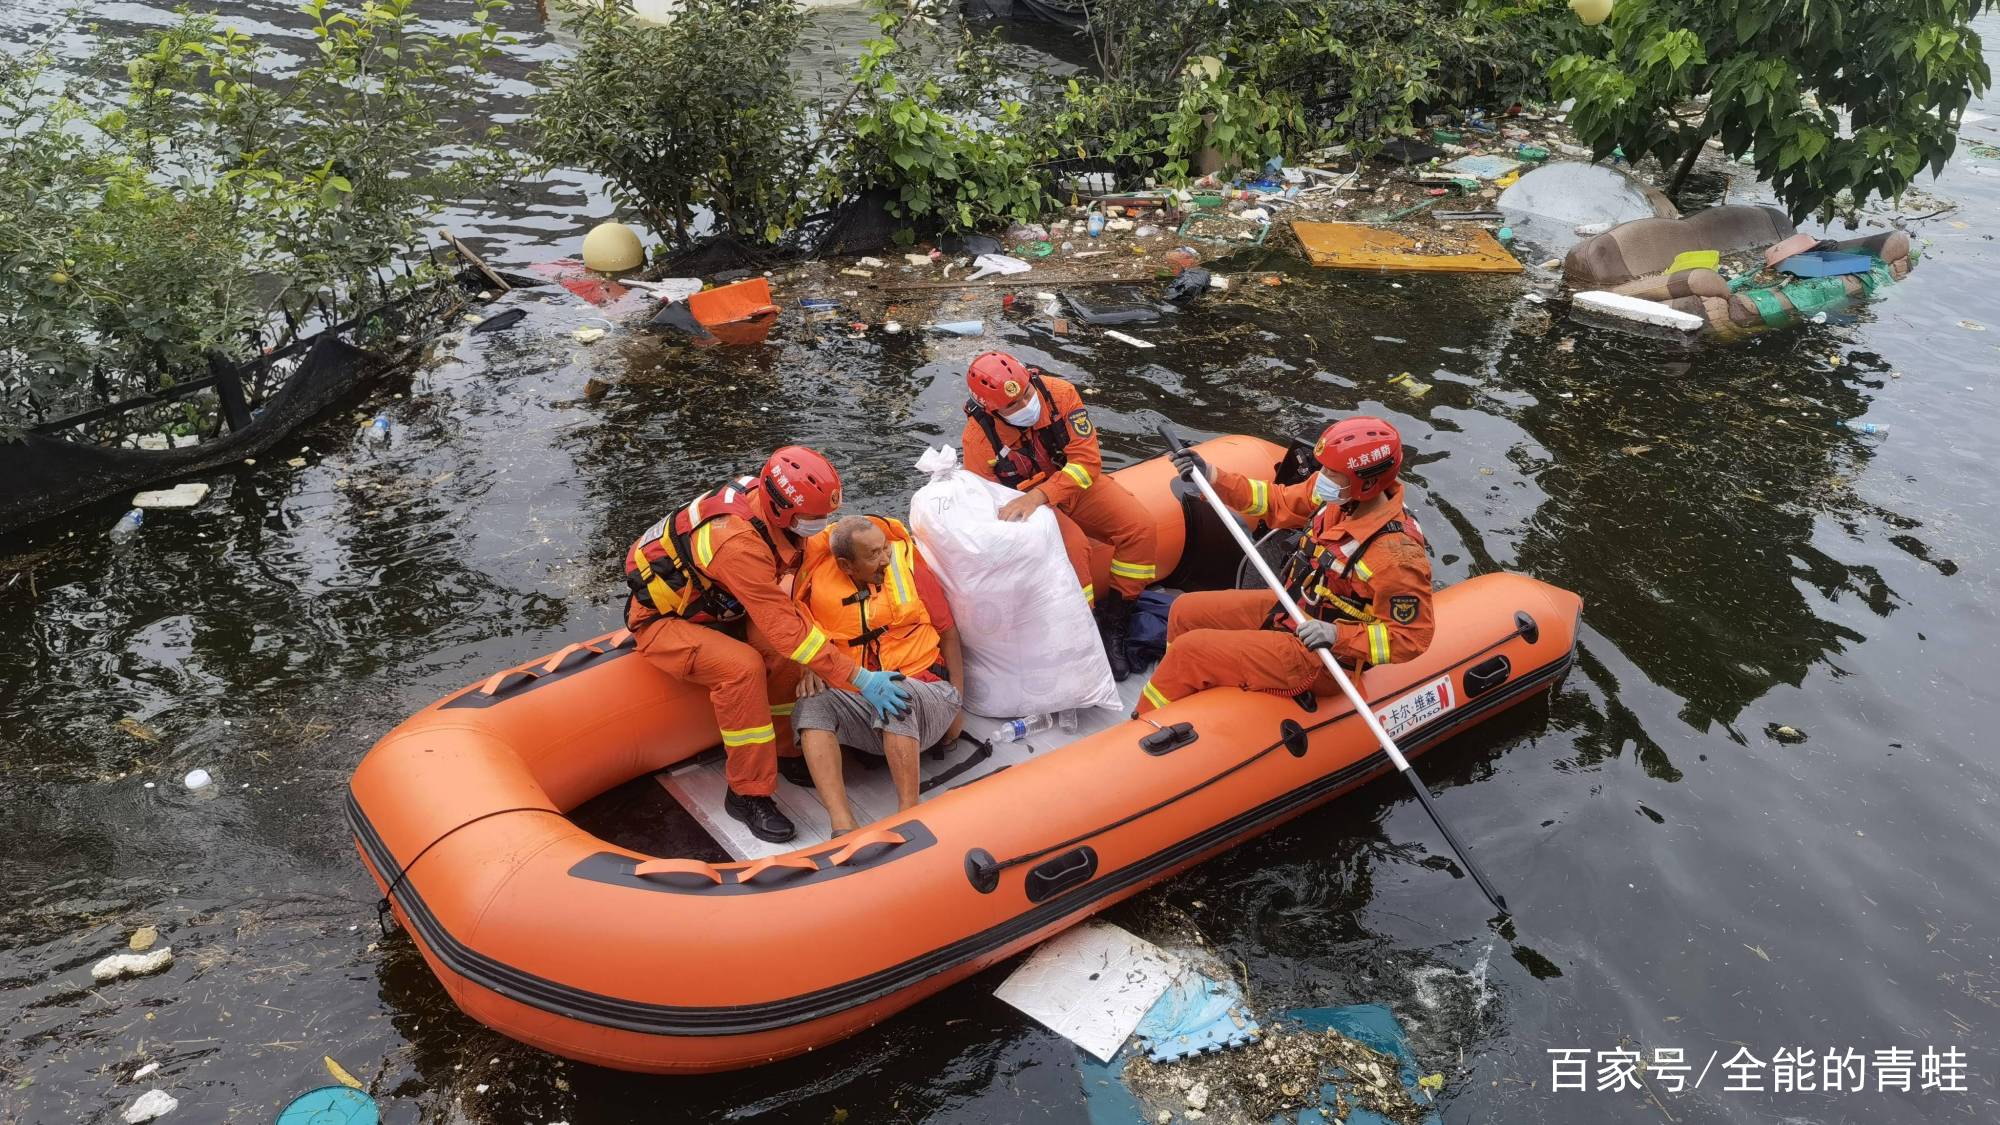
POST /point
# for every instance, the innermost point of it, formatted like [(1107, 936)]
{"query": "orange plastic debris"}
[(730, 304), (1358, 246)]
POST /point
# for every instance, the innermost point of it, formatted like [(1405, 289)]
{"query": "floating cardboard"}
[(1091, 985), (1357, 246)]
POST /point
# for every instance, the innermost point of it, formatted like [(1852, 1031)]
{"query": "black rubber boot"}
[(761, 816), (1112, 611), (795, 771)]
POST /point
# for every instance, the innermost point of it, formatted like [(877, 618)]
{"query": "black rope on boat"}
[(1198, 786), (382, 904)]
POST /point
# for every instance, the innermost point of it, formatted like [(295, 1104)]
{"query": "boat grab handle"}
[(655, 867), (569, 656), (769, 862), (863, 839)]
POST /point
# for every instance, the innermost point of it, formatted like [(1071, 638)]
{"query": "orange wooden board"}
[(1358, 246)]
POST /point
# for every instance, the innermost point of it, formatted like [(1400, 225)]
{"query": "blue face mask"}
[(1327, 490), (1029, 414), (806, 529)]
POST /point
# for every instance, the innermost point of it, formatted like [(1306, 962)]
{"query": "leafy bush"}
[(698, 115), (197, 203), (1835, 103), (950, 141)]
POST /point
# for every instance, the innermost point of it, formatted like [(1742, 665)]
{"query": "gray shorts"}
[(933, 708)]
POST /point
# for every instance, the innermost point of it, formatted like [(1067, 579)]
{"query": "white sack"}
[(1031, 644)]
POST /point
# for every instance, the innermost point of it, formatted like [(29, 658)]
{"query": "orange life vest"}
[(887, 627), (1320, 575), (667, 567)]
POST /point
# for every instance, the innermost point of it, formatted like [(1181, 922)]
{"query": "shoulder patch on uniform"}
[(1403, 608), (1080, 422)]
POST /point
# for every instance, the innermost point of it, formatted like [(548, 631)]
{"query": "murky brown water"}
[(1681, 879)]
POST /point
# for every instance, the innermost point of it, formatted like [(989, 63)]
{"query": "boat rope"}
[(1198, 786), (382, 905)]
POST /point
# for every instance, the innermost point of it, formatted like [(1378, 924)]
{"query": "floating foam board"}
[(1091, 985), (179, 496), (1358, 246), (1638, 310)]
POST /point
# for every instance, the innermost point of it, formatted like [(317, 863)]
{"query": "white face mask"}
[(1326, 490), (806, 529), (1029, 414)]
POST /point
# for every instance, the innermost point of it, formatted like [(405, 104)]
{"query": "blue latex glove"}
[(885, 691), (1316, 633)]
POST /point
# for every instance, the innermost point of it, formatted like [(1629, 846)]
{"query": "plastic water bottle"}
[(959, 327), (1014, 730), (1096, 223), (127, 525), (1871, 429), (378, 430)]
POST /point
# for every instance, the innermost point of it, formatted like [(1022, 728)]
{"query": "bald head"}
[(860, 549)]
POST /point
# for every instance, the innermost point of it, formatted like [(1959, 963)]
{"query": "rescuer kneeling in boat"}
[(863, 584), (699, 573), (1360, 573), (1028, 430)]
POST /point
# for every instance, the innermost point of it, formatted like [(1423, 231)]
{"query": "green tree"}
[(696, 116), (177, 199), (1835, 100)]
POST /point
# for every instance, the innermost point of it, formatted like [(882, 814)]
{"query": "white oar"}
[(1361, 707)]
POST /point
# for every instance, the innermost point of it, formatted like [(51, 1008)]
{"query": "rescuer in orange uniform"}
[(1029, 431), (1360, 573), (707, 607)]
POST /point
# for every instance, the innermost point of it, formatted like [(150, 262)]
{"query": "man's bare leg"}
[(905, 768), (822, 751)]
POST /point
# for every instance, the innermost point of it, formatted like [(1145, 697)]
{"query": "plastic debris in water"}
[(132, 965), (151, 1104), (1196, 1014), (127, 526), (198, 779), (1410, 385), (331, 1105)]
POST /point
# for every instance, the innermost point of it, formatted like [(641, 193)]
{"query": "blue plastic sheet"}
[(1108, 1101)]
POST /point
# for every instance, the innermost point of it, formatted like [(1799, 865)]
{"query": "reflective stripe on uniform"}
[(783, 710), (749, 736), (1122, 569), (1260, 499), (704, 548), (1361, 569), (899, 579), (1079, 474), (1153, 695), (1089, 594), (809, 648), (1378, 643)]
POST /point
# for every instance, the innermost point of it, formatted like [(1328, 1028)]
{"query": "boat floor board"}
[(700, 785)]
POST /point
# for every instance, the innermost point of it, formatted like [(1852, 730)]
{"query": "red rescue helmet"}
[(1365, 453), (800, 484), (996, 379)]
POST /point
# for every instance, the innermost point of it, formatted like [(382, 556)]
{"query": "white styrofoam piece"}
[(179, 496), (1091, 985), (1638, 309)]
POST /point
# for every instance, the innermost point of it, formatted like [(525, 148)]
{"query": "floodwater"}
[(1682, 879)]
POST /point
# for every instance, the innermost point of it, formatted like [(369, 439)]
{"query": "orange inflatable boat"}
[(572, 944)]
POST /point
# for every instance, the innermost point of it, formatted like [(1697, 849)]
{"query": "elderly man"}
[(863, 584)]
